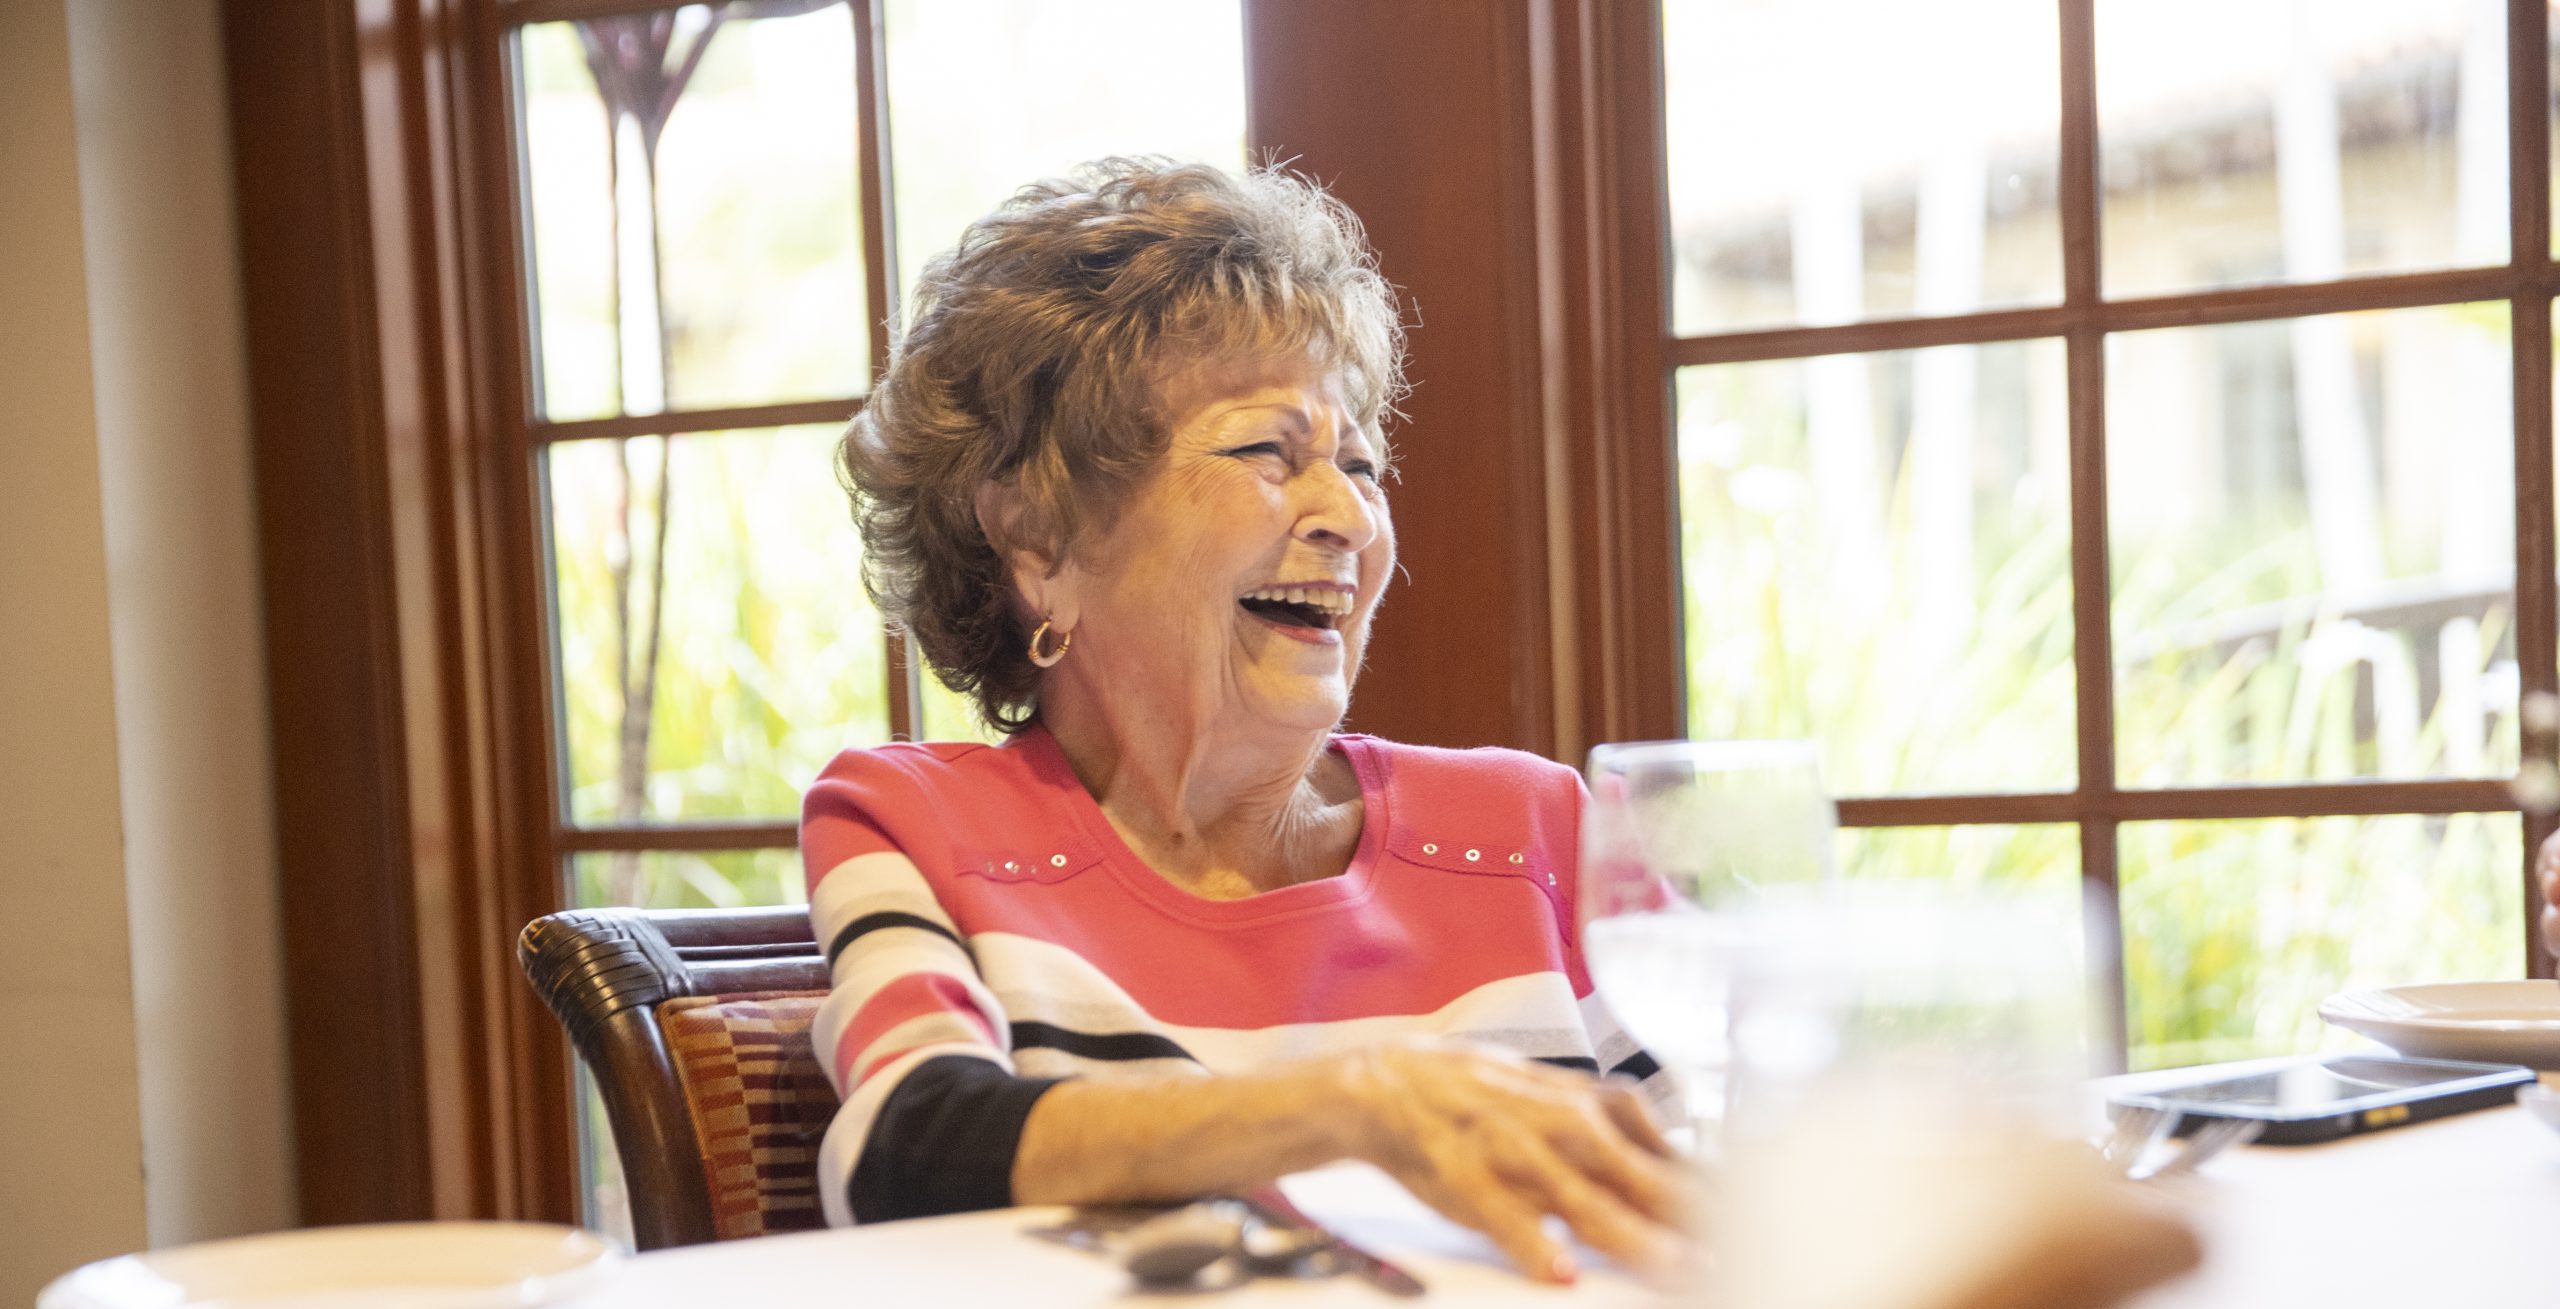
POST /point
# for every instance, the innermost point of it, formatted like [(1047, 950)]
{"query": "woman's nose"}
[(1334, 511)]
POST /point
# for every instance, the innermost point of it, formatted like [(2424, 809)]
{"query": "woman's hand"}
[(2546, 869), (1498, 1143)]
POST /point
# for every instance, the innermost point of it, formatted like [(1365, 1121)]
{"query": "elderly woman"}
[(1124, 482)]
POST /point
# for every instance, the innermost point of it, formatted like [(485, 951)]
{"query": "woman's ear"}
[(1045, 591)]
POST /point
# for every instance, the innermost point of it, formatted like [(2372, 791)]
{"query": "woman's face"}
[(1237, 585)]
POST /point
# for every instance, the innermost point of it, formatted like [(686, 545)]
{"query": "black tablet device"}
[(2324, 1099)]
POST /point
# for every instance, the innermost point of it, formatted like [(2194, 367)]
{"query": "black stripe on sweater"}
[(944, 1141), (869, 923), (1115, 1046), (1638, 1066)]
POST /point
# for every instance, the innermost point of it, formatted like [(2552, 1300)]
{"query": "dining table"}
[(2455, 1211)]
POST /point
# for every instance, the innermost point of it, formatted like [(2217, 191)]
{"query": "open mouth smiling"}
[(1318, 607)]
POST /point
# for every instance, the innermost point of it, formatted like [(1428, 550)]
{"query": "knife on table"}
[(1272, 1207)]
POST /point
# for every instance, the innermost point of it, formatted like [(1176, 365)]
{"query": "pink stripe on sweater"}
[(911, 996)]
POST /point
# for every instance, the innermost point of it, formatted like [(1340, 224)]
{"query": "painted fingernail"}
[(1562, 1270)]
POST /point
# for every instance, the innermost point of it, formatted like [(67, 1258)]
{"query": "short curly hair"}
[(1034, 360)]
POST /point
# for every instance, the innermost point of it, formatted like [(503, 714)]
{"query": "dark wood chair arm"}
[(603, 973)]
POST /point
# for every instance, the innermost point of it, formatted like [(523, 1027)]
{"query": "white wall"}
[(70, 1112), (182, 603), (142, 1021)]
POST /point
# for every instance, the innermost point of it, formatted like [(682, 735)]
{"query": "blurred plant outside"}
[(1803, 623)]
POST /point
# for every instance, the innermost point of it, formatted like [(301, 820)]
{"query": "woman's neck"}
[(1217, 809)]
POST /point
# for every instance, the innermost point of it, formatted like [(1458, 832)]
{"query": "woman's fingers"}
[(1590, 1139), (1626, 1108), (1479, 1199), (1499, 1143), (1604, 1128), (1618, 1099), (1596, 1214)]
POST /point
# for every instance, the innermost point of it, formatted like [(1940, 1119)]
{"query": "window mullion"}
[(2092, 640), (880, 294), (741, 835), (2529, 236)]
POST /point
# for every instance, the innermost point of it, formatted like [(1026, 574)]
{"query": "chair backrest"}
[(716, 1128)]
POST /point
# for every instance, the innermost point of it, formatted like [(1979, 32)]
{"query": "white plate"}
[(2483, 1022), (373, 1266)]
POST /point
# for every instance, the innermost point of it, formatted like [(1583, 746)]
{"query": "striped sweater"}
[(989, 933)]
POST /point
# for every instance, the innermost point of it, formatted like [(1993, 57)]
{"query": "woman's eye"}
[(1361, 468), (1259, 449)]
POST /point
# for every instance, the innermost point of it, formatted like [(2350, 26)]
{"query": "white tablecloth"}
[(2460, 1211), (984, 1259)]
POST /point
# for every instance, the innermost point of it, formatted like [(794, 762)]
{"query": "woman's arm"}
[(1490, 1140), (909, 1035)]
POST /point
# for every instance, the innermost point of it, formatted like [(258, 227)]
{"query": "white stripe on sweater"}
[(1532, 1013), (883, 881)]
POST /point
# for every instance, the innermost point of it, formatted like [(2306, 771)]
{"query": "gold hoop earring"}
[(1049, 660)]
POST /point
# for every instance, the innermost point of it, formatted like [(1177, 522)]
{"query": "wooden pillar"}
[(1540, 607)]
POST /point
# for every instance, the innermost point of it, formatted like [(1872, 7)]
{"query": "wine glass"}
[(1680, 838)]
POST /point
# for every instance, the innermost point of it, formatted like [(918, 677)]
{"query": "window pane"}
[(951, 716), (2252, 141), (987, 96), (567, 177), (1831, 162), (686, 879), (608, 1203), (2041, 859), (2235, 931), (1876, 551), (2313, 546), (771, 659), (696, 241), (2036, 866)]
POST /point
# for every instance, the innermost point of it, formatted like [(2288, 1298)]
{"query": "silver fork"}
[(2136, 1127), (2215, 1136)]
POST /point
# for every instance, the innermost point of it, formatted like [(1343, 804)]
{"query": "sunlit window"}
[(2309, 520)]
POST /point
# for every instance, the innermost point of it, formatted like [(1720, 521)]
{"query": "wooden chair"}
[(695, 1024)]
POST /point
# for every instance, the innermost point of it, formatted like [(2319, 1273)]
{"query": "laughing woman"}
[(1124, 483)]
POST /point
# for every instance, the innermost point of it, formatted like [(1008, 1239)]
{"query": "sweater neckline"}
[(1076, 806)]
